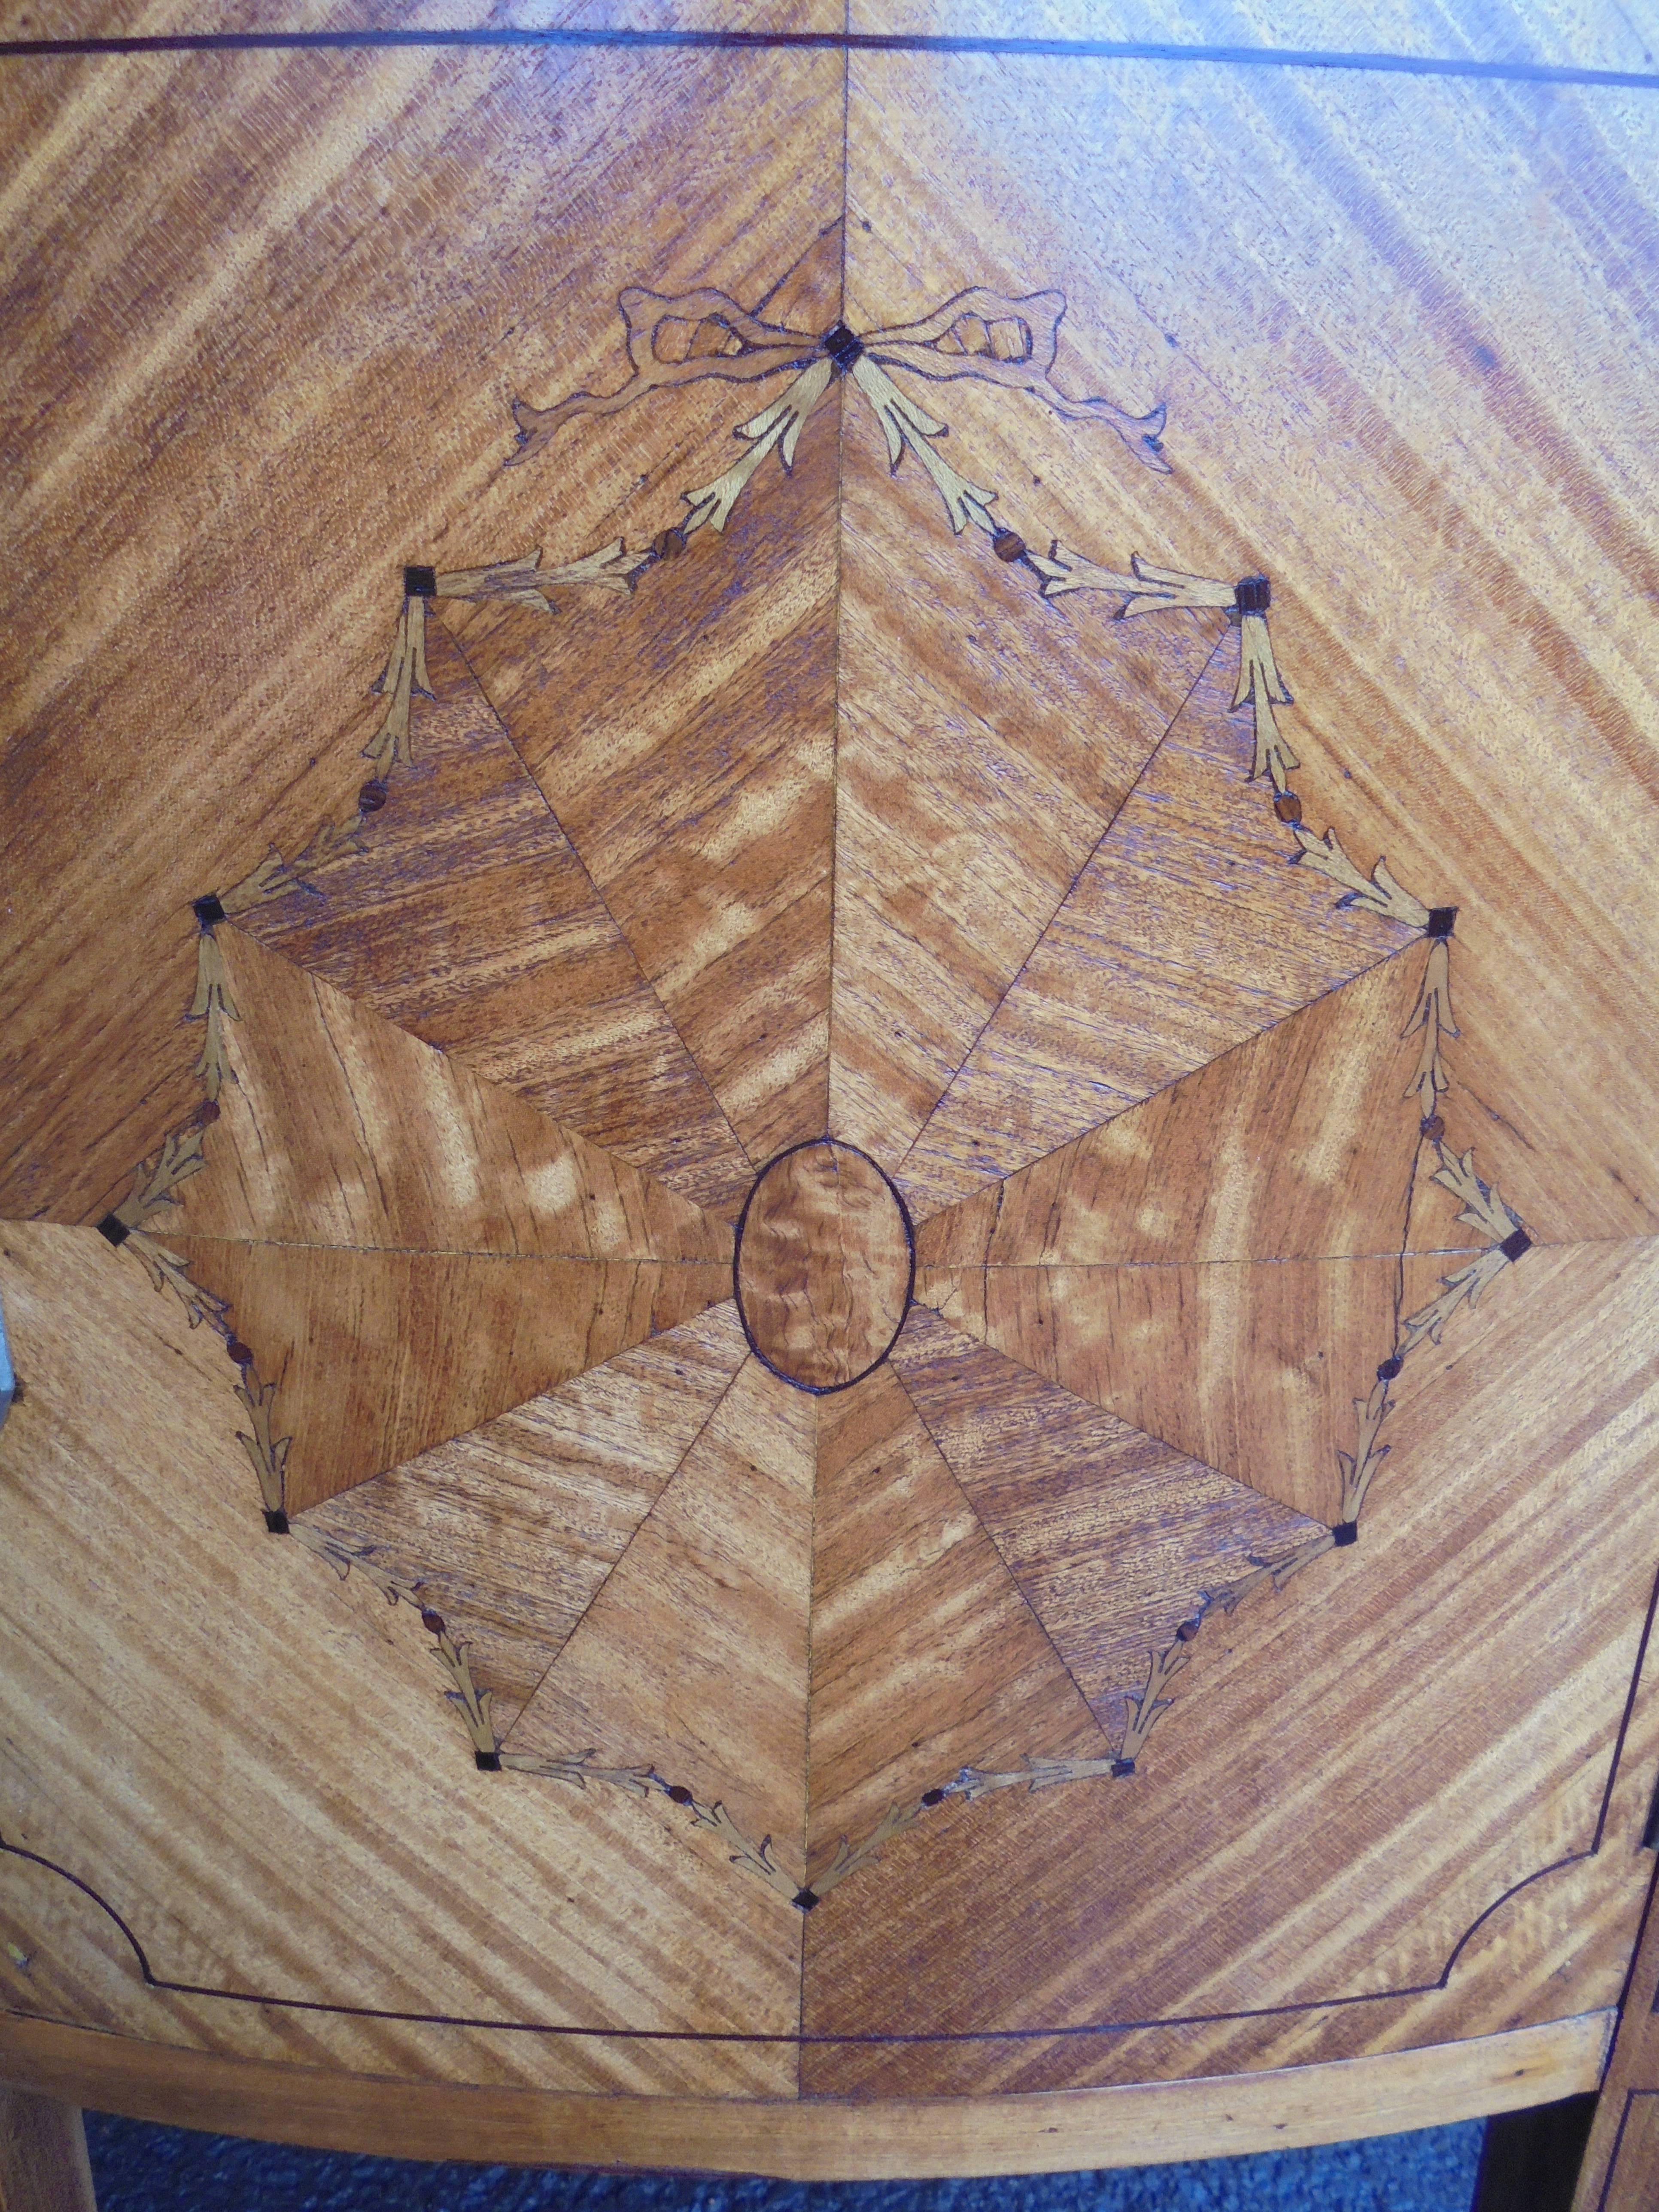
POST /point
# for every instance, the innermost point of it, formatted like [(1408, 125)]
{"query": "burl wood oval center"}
[(824, 1266)]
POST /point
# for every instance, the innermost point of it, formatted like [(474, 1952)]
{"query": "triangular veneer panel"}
[(1297, 1144), (925, 1658), (467, 918), (508, 1531), (1251, 1366), (692, 1658), (1113, 1536), (378, 1355), (337, 1128), (985, 741), (686, 738), (1188, 932)]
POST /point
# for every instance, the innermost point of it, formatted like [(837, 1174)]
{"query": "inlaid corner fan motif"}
[(695, 1345)]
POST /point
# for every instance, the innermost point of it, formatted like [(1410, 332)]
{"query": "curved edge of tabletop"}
[(816, 2139)]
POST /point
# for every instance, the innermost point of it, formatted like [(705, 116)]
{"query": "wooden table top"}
[(830, 1191)]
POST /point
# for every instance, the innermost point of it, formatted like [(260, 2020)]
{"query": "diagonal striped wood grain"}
[(1250, 1366), (925, 1656), (686, 741), (1187, 932), (1319, 1742), (1112, 1536), (466, 919), (1297, 1144), (984, 743), (337, 1128), (207, 538), (297, 1810), (508, 1531), (378, 1355), (692, 1658)]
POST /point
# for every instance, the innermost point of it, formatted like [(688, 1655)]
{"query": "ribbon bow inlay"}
[(978, 333)]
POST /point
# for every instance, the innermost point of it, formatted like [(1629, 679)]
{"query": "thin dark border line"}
[(1071, 2032), (807, 1144), (1059, 905), (1631, 2096), (603, 902), (1107, 50)]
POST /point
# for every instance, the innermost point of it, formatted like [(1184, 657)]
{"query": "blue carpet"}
[(139, 2168)]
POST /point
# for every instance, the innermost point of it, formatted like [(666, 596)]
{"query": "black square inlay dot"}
[(277, 1522), (114, 1228), (842, 348), (489, 1762), (1515, 1244), (419, 583), (1122, 1766), (207, 910), (1345, 1532), (1441, 919), (807, 1900), (1253, 595)]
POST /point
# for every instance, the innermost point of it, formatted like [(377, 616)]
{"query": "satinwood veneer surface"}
[(829, 1200)]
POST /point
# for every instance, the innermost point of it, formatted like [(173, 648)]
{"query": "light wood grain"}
[(685, 740), (44, 2166), (983, 747), (692, 1656), (338, 1128), (1295, 1146), (1250, 1366), (1187, 932), (823, 1268), (460, 912), (272, 319), (159, 369), (1113, 1536), (74, 1133), (508, 1531), (1427, 272), (279, 1799), (925, 1656), (824, 2137), (378, 1355), (1276, 1794)]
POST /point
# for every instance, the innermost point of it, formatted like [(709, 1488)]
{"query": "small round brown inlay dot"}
[(206, 1114), (372, 797), (241, 1353), (432, 1622), (1433, 1129), (1008, 546), (679, 1795), (1287, 806), (668, 543), (1188, 1630)]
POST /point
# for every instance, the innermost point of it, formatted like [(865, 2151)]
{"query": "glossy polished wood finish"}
[(824, 1266), (1138, 2126), (1211, 1647)]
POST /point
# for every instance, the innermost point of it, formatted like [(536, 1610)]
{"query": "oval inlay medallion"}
[(824, 1265)]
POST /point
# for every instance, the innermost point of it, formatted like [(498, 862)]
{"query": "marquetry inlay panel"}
[(830, 1228)]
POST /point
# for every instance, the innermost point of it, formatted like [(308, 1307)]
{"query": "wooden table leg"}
[(44, 2166), (1620, 2172)]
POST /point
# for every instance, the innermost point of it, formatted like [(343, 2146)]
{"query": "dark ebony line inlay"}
[(1098, 50)]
